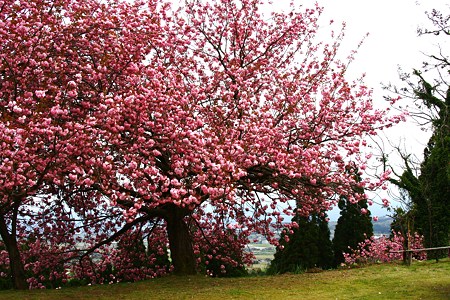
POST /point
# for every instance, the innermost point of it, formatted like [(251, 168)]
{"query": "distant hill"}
[(380, 227)]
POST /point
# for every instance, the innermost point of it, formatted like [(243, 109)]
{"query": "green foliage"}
[(433, 211), (308, 246), (6, 283), (326, 257), (352, 228), (430, 191), (401, 221)]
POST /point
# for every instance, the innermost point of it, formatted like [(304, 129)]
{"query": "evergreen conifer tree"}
[(433, 213), (353, 226), (308, 246), (326, 257)]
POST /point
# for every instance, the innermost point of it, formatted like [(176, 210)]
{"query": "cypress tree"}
[(433, 211), (309, 246), (326, 257), (352, 228), (353, 225)]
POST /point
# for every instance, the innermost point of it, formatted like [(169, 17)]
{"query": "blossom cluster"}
[(385, 249)]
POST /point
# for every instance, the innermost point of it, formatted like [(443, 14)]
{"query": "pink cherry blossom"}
[(40, 94), (131, 119)]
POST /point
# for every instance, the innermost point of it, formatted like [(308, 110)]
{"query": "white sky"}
[(392, 42)]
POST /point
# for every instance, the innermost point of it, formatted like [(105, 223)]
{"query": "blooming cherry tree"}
[(213, 121), (237, 113)]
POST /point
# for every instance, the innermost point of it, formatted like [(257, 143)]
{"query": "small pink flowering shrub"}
[(133, 262), (220, 250), (384, 249), (129, 261), (43, 264), (5, 282)]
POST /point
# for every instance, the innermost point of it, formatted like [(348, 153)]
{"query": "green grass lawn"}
[(422, 280)]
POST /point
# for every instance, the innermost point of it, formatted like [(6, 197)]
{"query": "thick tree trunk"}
[(15, 261), (180, 241)]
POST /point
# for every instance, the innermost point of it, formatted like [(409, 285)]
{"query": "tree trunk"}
[(180, 241), (15, 262)]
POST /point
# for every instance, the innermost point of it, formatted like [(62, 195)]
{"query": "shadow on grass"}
[(438, 291), (422, 280)]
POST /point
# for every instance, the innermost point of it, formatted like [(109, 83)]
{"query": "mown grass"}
[(422, 280)]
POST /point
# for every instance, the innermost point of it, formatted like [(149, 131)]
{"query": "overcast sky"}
[(392, 42)]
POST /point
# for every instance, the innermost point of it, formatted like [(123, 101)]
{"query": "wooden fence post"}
[(409, 257), (407, 254)]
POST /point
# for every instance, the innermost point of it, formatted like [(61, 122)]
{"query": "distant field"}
[(422, 280), (263, 255)]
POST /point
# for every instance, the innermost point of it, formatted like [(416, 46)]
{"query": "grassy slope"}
[(422, 280)]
